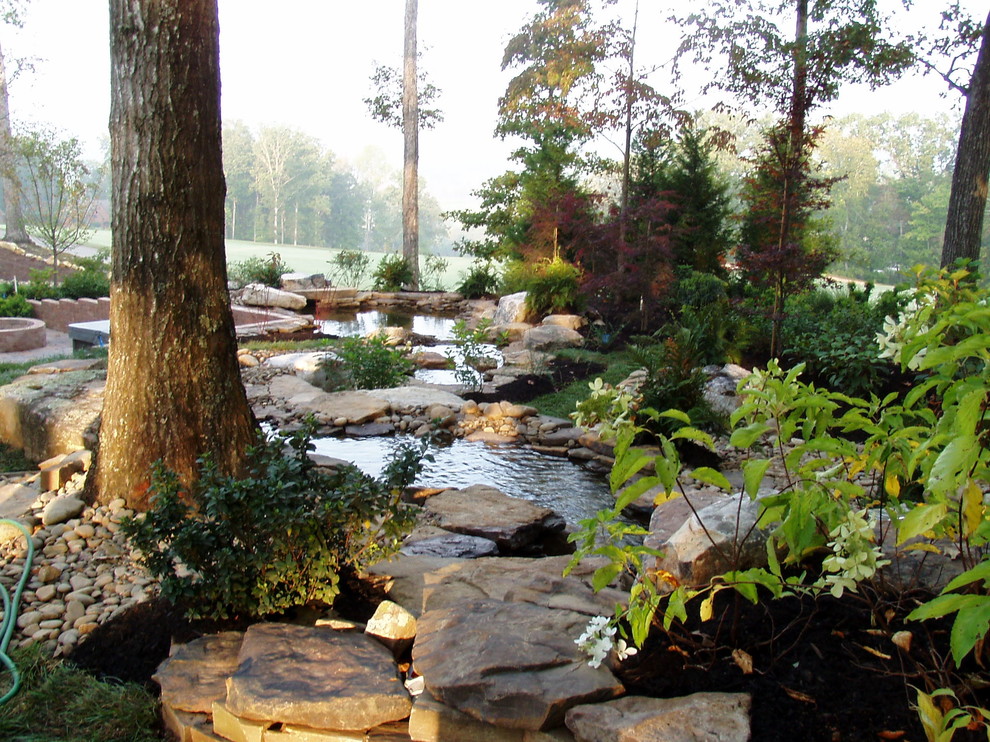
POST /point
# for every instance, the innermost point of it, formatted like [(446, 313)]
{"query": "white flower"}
[(623, 650)]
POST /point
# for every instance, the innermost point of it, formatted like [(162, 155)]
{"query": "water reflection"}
[(360, 324), (567, 488)]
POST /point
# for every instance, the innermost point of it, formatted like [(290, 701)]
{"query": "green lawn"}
[(304, 258)]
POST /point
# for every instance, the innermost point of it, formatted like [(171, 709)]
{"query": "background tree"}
[(968, 196), (406, 102), (238, 163), (11, 14), (173, 384), (54, 189), (285, 162)]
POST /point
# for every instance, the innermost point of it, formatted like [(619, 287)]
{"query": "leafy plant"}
[(369, 363), (267, 271), (40, 286), (432, 273), (15, 306), (348, 267), (481, 280), (89, 284), (278, 537), (392, 274), (552, 287), (472, 351)]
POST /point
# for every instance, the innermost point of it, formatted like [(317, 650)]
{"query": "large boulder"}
[(308, 366), (511, 308), (699, 717), (570, 321), (551, 337), (316, 677), (698, 548), (509, 664), (303, 281), (48, 415), (484, 511), (260, 295)]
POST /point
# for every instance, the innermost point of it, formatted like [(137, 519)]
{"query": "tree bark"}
[(410, 134), (968, 195), (173, 386), (13, 217)]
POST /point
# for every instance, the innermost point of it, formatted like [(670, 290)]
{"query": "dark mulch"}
[(823, 670), (561, 372), (130, 647)]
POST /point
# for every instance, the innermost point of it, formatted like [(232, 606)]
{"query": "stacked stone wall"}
[(58, 314)]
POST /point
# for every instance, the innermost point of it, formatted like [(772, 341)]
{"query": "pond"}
[(361, 324), (569, 489)]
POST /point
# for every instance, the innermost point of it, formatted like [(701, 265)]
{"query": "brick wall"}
[(58, 314)]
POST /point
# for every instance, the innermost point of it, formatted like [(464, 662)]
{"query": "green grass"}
[(293, 345), (307, 258), (59, 703), (618, 365), (13, 459)]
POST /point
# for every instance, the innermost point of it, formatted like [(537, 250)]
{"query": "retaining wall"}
[(58, 314)]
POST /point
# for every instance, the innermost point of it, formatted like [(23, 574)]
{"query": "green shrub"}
[(367, 363), (432, 273), (480, 281), (40, 286), (699, 290), (392, 274), (15, 306), (278, 538), (674, 380), (348, 268), (551, 287), (85, 284), (267, 270)]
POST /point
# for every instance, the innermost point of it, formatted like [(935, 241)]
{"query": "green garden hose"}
[(10, 608)]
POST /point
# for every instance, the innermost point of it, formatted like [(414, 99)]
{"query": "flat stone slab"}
[(432, 721), (699, 717), (316, 677), (509, 664), (194, 675), (411, 397), (15, 500), (520, 580), (456, 545), (484, 511)]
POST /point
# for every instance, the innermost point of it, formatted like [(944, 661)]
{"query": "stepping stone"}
[(509, 664), (316, 677), (700, 716), (195, 674)]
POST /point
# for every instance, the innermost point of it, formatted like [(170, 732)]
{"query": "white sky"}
[(306, 64)]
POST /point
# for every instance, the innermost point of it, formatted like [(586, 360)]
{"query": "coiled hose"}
[(10, 608)]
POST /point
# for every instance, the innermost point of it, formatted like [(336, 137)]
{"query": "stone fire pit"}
[(21, 333)]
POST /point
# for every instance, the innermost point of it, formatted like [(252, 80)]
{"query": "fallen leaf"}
[(798, 695), (891, 735), (902, 639), (743, 660)]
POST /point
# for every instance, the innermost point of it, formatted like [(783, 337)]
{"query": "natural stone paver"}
[(700, 717), (410, 397), (432, 721), (484, 511), (509, 664), (517, 579), (195, 674), (456, 545), (316, 677)]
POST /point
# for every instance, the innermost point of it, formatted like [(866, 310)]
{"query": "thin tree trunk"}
[(173, 386), (233, 219), (627, 151), (968, 195), (14, 218), (410, 134)]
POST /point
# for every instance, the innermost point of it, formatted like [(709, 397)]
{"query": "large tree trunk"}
[(968, 196), (173, 387), (14, 219), (410, 133)]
